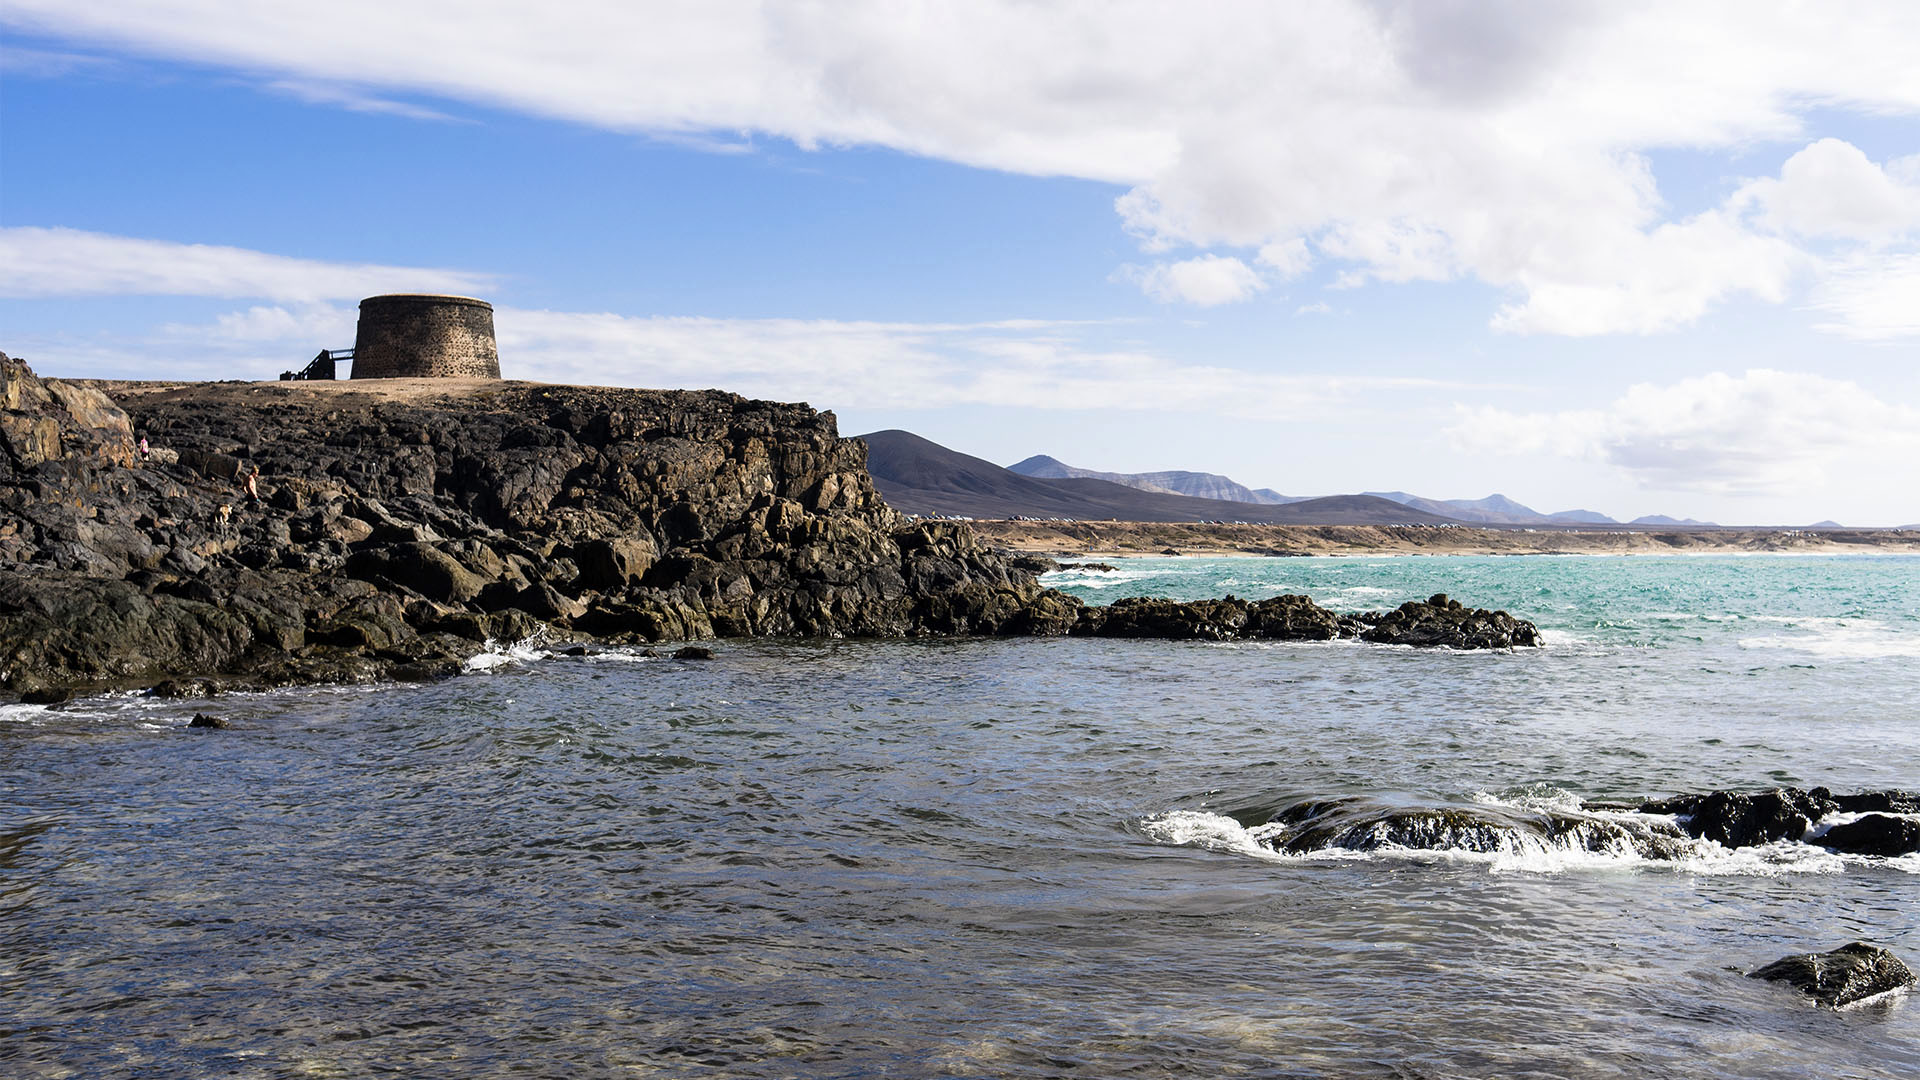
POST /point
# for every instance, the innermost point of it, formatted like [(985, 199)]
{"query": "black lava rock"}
[(1849, 974), (202, 720), (1874, 834), (1743, 819)]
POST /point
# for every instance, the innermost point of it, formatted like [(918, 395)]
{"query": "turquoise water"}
[(982, 859), (1837, 608)]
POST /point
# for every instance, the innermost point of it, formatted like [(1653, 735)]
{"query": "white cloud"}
[(1654, 281), (326, 325), (1503, 142), (874, 365), (37, 262), (1760, 433), (332, 94), (1871, 297), (1830, 188), (1288, 259), (1204, 281)]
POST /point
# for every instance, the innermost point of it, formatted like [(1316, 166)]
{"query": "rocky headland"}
[(297, 532)]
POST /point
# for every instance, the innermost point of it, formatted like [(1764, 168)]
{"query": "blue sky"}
[(1611, 257)]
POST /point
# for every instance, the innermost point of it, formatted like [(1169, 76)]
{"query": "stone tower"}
[(406, 335)]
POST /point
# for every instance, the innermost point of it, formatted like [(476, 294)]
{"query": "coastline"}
[(1132, 539), (178, 536)]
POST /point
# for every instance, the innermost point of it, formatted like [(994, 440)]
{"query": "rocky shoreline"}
[(1103, 540), (395, 527)]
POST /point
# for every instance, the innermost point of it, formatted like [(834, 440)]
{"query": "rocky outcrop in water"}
[(1433, 623), (1360, 824), (1888, 825), (1282, 618), (1846, 976), (1738, 819), (343, 531), (1443, 621)]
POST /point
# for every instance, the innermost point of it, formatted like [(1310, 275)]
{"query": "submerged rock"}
[(1679, 827), (1360, 824), (202, 720), (1848, 975)]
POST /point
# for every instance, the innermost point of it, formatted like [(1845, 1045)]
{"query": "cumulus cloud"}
[(1831, 188), (1205, 281), (37, 262), (1505, 142), (1761, 433)]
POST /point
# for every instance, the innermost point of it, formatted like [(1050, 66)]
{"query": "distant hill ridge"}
[(918, 476), (1492, 510), (1662, 519), (1497, 510), (1199, 485)]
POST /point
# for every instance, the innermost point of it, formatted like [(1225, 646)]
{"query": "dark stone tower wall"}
[(408, 336)]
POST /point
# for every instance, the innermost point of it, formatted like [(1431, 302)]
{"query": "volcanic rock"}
[(1738, 819), (1874, 834), (1446, 622), (1847, 975)]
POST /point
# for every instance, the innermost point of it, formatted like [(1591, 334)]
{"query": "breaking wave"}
[(1538, 829)]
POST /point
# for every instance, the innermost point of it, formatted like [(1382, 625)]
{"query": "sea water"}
[(1018, 858)]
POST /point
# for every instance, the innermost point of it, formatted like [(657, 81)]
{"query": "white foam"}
[(21, 714), (1096, 579), (1532, 798), (1840, 639), (1519, 852), (1209, 831), (496, 656)]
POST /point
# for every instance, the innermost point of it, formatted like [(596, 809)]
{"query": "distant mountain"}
[(1495, 510), (917, 476), (1826, 525), (1582, 517), (1199, 485), (1662, 519)]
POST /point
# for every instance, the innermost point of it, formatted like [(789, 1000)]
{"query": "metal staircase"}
[(322, 366)]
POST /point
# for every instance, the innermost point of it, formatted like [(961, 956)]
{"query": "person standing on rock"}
[(145, 451), (253, 486)]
